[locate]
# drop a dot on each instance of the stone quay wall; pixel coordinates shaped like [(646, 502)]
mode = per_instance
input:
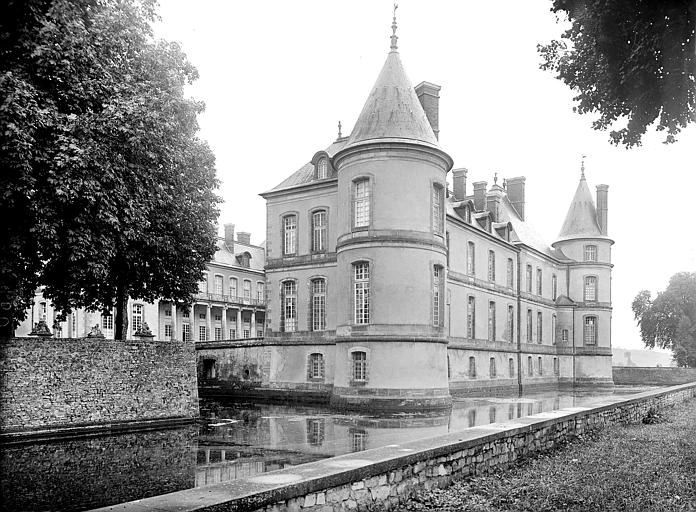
[(76, 385), (383, 478), (653, 376)]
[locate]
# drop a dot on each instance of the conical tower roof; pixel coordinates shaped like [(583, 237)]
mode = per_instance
[(581, 219), (392, 110)]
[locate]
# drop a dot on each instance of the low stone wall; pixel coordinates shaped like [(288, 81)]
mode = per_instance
[(77, 385), (653, 376), (381, 478)]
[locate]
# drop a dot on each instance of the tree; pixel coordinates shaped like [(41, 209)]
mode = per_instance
[(669, 321), (632, 60), (109, 191)]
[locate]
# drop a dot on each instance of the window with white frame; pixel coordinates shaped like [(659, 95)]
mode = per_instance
[(590, 288), (590, 253), (361, 292), (107, 322), (491, 321), (137, 317), (218, 333), (233, 287), (471, 318), (233, 334), (491, 266), (247, 333), (315, 369), (530, 331), (471, 259), (186, 332), (554, 287), (318, 287), (259, 291), (202, 333), (438, 210), (168, 330), (510, 274), (289, 234), (247, 290), (218, 285), (358, 437), (361, 203), (438, 280), (319, 226), (539, 282), (529, 279), (359, 366), (511, 323), (590, 330), (289, 300), (553, 329), (322, 169), (43, 308), (540, 328)]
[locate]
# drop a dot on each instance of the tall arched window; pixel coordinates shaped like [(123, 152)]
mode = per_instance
[(491, 266), (471, 318), (438, 282), (491, 321), (361, 292), (438, 200), (319, 226), (289, 234), (233, 287), (471, 259), (590, 330), (553, 329), (247, 290), (289, 306), (472, 367), (590, 288), (315, 368), (322, 169), (590, 253), (359, 366), (361, 203), (554, 287), (540, 327), (318, 287), (511, 323)]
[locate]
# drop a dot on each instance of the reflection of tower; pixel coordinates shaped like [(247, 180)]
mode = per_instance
[(391, 348), (587, 314)]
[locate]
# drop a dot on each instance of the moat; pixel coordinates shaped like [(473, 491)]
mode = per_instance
[(233, 440)]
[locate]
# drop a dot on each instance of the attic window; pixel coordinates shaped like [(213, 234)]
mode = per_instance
[(244, 259), (322, 169)]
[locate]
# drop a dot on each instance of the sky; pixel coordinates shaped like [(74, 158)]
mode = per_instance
[(277, 76)]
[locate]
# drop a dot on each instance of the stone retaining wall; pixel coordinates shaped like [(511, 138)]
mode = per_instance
[(653, 376), (69, 385), (381, 478)]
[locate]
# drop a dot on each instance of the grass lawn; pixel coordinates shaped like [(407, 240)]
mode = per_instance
[(642, 467)]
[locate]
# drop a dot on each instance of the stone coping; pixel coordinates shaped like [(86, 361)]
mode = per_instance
[(256, 492)]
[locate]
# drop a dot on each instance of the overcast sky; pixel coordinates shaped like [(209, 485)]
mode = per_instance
[(277, 76)]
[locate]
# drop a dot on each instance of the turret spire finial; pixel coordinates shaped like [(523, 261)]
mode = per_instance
[(582, 168), (339, 130), (394, 37)]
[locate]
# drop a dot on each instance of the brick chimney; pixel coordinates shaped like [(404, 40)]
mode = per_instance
[(459, 183), (480, 195), (244, 238), (515, 192), (493, 200), (602, 207), (429, 97), (229, 237)]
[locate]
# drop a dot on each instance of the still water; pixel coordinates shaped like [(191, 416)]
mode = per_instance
[(233, 440)]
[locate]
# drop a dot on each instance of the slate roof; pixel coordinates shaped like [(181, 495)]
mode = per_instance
[(226, 257), (305, 174), (581, 219)]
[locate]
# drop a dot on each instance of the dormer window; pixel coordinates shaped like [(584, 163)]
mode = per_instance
[(322, 169), (244, 259)]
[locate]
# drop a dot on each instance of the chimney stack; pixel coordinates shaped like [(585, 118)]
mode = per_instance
[(244, 238), (229, 237), (480, 195), (429, 97), (459, 184), (515, 192), (602, 207)]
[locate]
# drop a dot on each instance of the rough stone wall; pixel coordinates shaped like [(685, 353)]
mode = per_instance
[(58, 383), (666, 376)]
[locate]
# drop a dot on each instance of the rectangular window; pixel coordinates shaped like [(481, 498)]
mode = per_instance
[(511, 367), (540, 366), (438, 199), (590, 288), (530, 367), (201, 316), (247, 333), (361, 203), (590, 330), (472, 367), (590, 253), (471, 259), (290, 234), (289, 300), (529, 279), (233, 287), (247, 290), (202, 333), (259, 333), (186, 332), (233, 334), (540, 328), (107, 322), (319, 231), (530, 330), (168, 312), (471, 318), (316, 366), (137, 317), (539, 282), (510, 274), (203, 285), (556, 367), (493, 371), (218, 285), (491, 321), (564, 335), (218, 318), (553, 329), (168, 330), (259, 292), (491, 266), (554, 287), (511, 324), (218, 333), (318, 305), (361, 284), (437, 295), (359, 366)]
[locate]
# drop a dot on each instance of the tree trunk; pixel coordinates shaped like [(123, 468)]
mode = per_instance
[(121, 327)]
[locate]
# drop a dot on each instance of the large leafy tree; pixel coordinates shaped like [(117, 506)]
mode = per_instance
[(105, 189), (630, 61), (669, 321)]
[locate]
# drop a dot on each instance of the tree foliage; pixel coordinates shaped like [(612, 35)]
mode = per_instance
[(669, 321), (108, 191), (628, 60)]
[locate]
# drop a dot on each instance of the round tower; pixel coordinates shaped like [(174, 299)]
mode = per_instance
[(584, 239), (391, 348)]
